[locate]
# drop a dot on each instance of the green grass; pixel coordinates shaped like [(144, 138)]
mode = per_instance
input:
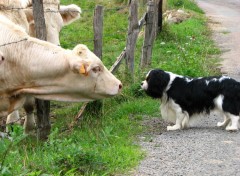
[(185, 49), (108, 145), (184, 4)]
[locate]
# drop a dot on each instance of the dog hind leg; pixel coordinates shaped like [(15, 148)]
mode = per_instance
[(234, 123), (185, 122)]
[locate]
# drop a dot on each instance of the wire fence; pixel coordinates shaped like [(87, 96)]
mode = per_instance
[(84, 40), (10, 43), (46, 10), (9, 8)]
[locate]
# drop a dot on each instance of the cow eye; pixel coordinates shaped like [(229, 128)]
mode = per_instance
[(96, 69)]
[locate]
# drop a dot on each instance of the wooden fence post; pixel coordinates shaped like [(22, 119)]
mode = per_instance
[(150, 30), (160, 16), (95, 108), (43, 107), (133, 31), (98, 30)]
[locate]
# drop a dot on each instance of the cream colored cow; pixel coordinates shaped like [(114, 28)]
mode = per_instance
[(47, 71), (11, 9), (56, 16)]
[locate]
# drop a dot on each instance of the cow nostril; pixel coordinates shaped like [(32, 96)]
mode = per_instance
[(120, 86)]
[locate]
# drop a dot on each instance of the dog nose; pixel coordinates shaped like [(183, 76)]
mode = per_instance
[(141, 83)]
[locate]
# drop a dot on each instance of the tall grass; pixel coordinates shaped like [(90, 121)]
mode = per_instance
[(108, 145)]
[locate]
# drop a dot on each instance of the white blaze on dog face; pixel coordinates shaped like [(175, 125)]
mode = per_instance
[(144, 84)]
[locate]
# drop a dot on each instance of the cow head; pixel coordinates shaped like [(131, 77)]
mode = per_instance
[(56, 16), (97, 76)]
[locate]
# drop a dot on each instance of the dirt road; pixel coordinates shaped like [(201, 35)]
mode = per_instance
[(203, 150), (225, 22)]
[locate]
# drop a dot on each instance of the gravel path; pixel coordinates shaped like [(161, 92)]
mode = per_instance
[(203, 149)]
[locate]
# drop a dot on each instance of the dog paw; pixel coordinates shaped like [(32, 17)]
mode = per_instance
[(229, 128), (220, 124), (172, 128)]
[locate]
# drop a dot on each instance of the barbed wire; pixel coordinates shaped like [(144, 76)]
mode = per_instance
[(59, 11), (46, 10), (13, 43)]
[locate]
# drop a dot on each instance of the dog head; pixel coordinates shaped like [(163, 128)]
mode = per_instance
[(155, 83)]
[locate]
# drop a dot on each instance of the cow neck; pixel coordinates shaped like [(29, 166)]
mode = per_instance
[(6, 4)]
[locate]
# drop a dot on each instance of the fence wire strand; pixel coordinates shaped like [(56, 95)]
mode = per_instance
[(59, 11), (10, 43)]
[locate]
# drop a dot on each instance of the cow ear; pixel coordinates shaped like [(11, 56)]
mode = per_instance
[(80, 50), (80, 68), (70, 13), (29, 14)]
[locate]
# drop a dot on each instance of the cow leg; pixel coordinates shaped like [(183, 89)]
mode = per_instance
[(29, 123), (12, 118)]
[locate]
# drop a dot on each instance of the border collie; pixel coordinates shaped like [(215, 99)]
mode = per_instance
[(183, 97)]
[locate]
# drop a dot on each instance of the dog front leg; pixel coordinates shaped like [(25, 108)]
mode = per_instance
[(179, 119), (225, 122)]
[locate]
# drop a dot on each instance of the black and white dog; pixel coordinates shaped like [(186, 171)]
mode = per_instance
[(183, 97)]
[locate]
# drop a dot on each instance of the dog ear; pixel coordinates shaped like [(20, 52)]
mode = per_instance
[(157, 83)]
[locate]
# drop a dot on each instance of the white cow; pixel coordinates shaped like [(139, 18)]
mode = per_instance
[(12, 10), (49, 72), (56, 16)]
